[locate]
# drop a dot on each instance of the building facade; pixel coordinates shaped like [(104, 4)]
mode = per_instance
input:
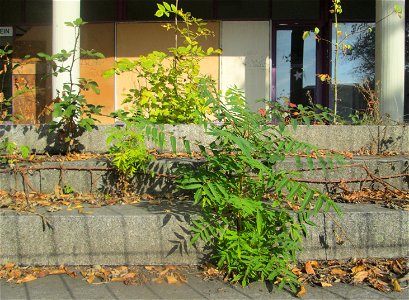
[(264, 51)]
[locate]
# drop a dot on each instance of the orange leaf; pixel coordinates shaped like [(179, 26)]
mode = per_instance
[(42, 274), (118, 279), (130, 275), (171, 279), (360, 276), (315, 264), (292, 105), (357, 269), (325, 284), (309, 269), (57, 272), (28, 278), (396, 285), (338, 271), (91, 278), (9, 265), (301, 292)]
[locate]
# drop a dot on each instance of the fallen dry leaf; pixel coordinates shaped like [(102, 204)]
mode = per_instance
[(396, 285), (357, 269), (309, 269), (9, 265), (302, 291), (325, 284), (28, 278), (379, 285), (57, 272), (90, 278), (170, 279), (360, 276), (338, 271)]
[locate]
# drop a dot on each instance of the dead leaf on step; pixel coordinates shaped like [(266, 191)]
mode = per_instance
[(396, 285), (325, 284), (379, 285), (360, 276), (357, 269), (9, 265), (301, 292), (338, 271), (309, 269), (91, 278), (57, 272), (170, 279), (28, 278)]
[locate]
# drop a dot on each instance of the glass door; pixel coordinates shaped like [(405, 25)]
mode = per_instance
[(294, 66)]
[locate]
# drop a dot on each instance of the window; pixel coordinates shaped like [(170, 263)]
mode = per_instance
[(355, 64), (295, 66)]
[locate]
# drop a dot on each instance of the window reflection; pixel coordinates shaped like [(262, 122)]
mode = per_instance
[(295, 67), (355, 65)]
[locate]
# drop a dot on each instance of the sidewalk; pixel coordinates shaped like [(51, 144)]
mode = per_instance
[(64, 287)]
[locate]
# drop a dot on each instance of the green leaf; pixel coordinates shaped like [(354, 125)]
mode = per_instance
[(25, 151), (305, 35), (173, 143), (186, 143)]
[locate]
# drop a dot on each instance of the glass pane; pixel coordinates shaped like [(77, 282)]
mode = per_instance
[(295, 67), (354, 64)]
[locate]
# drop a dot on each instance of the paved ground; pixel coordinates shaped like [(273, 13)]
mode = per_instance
[(64, 287)]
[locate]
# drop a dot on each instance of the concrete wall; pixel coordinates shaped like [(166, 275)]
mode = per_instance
[(245, 61)]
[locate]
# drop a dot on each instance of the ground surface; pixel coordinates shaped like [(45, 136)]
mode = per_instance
[(65, 287)]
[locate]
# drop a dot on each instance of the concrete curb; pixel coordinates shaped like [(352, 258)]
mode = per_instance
[(377, 139), (94, 176), (159, 234)]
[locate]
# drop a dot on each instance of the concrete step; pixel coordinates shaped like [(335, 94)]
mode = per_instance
[(148, 234), (97, 176), (376, 139)]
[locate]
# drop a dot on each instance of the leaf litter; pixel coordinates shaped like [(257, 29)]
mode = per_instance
[(132, 275)]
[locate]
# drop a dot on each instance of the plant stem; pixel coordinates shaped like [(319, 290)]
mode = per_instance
[(336, 68)]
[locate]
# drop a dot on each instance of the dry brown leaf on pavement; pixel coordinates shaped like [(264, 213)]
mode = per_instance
[(396, 285), (28, 278), (301, 292), (379, 285), (325, 284)]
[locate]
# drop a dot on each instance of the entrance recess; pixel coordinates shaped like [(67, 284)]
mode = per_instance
[(294, 66)]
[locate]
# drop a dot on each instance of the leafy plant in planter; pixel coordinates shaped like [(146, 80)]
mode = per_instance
[(128, 152), (253, 214), (71, 112), (168, 83)]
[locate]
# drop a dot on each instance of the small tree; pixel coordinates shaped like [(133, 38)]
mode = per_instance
[(71, 112)]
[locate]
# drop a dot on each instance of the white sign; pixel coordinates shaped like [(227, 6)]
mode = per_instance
[(6, 31)]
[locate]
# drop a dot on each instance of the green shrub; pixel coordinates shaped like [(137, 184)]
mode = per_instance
[(253, 215), (167, 90), (72, 113)]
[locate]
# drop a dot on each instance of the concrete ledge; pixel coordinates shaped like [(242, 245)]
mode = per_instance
[(95, 176), (376, 139), (147, 234)]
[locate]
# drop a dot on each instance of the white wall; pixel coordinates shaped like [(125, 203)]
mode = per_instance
[(245, 61)]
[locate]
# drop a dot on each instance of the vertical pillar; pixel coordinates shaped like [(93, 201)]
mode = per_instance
[(64, 38), (390, 58)]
